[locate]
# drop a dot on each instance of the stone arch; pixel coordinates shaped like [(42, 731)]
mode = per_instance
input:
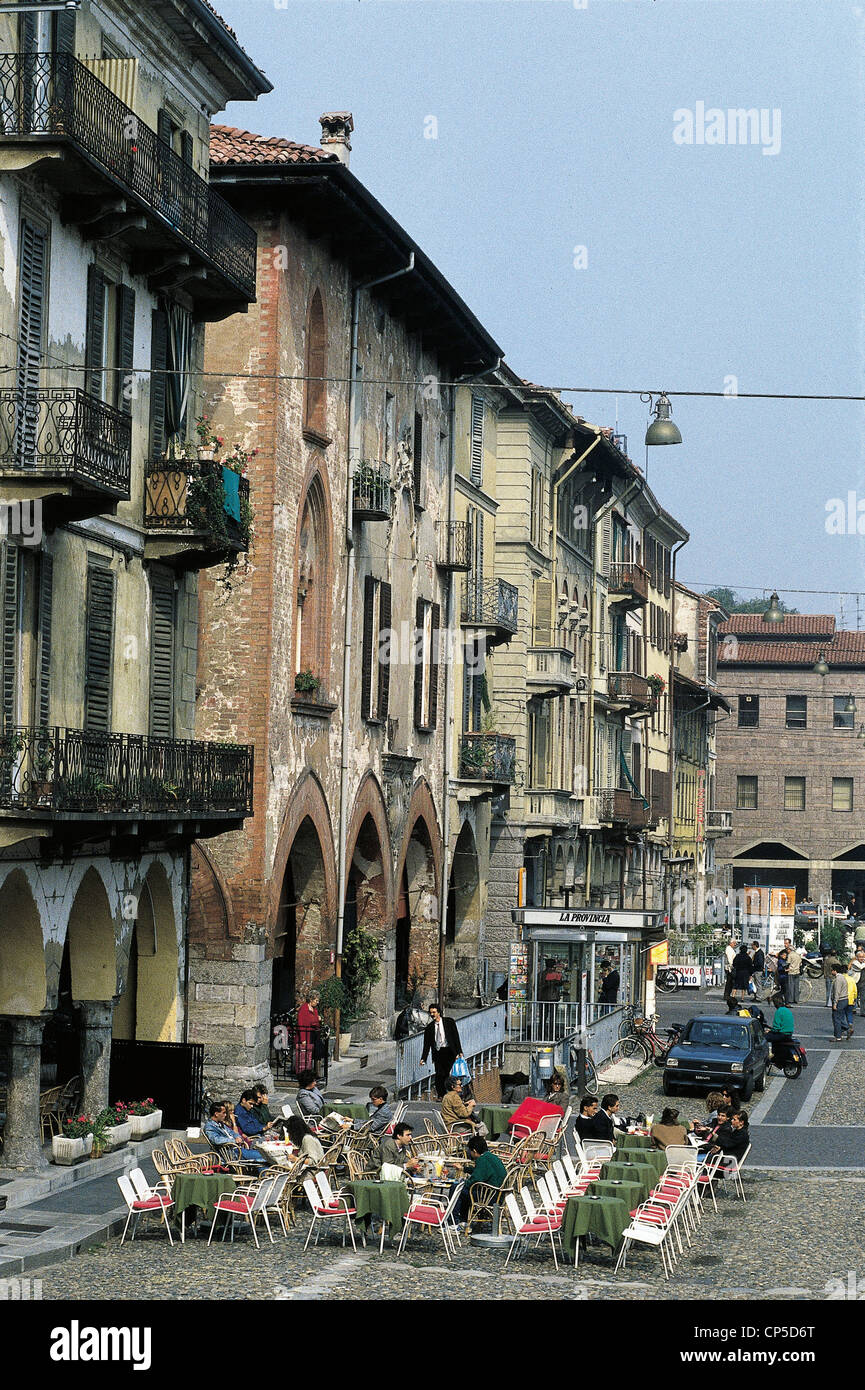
[(464, 918), (315, 363), (307, 802), (418, 905), (147, 1008), (23, 983), (303, 933), (369, 892), (211, 915), (90, 936)]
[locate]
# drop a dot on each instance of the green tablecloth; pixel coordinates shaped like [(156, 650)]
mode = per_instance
[(630, 1192), (347, 1108), (196, 1190), (635, 1141), (387, 1200), (647, 1165), (496, 1117), (604, 1217)]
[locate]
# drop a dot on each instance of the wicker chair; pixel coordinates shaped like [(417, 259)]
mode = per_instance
[(183, 1160), (48, 1102), (69, 1099), (485, 1199), (361, 1166)]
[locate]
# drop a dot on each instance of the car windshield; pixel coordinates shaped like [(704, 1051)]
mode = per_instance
[(717, 1034)]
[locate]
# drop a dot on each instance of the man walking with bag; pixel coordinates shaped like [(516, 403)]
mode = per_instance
[(441, 1036)]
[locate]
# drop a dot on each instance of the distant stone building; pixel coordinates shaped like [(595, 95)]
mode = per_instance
[(790, 757)]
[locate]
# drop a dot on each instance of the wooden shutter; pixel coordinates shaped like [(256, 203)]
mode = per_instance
[(98, 650), (468, 684), (165, 127), (420, 659), (477, 450), (162, 655), (543, 633), (187, 148), (158, 364), (666, 572), (31, 314), (125, 346), (27, 32), (434, 666), (606, 543), (10, 632), (369, 586), (43, 685), (64, 31), (95, 341), (384, 654), (542, 776)]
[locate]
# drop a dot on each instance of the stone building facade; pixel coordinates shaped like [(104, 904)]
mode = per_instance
[(114, 253), (789, 756)]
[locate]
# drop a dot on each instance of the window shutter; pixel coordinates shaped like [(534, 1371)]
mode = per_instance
[(46, 586), (417, 458), (162, 655), (542, 778), (420, 656), (98, 649), (94, 347), (33, 267), (367, 653), (158, 363), (543, 633), (477, 452), (164, 126), (64, 31), (10, 632), (434, 666), (468, 684), (384, 653), (187, 148), (667, 569), (606, 543), (125, 345)]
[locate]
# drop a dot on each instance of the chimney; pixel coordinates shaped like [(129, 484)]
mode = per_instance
[(336, 128)]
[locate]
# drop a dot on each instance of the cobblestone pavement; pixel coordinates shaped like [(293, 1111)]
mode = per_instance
[(741, 1252)]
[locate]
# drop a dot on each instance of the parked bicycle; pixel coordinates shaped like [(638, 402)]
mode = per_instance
[(591, 1070), (645, 1043), (668, 979)]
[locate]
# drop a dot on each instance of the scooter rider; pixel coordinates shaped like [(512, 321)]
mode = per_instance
[(780, 1035)]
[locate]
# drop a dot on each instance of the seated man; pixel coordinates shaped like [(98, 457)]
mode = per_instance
[(393, 1157), (488, 1169), (455, 1110), (732, 1138), (247, 1122), (608, 1121), (311, 1102), (379, 1111), (261, 1108), (222, 1134), (585, 1124)]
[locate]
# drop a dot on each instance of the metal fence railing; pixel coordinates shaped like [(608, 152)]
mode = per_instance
[(482, 1035)]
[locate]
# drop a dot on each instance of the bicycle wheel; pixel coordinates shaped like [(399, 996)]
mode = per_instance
[(591, 1077), (626, 1027), (806, 989), (627, 1048), (669, 981)]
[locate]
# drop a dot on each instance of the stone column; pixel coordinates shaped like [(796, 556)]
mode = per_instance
[(96, 1019), (22, 1147)]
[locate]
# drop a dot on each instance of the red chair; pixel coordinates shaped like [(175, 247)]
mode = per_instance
[(529, 1114), (427, 1211)]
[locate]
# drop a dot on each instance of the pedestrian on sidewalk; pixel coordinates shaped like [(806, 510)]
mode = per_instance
[(783, 974), (856, 969), (441, 1037), (841, 1009), (729, 957), (830, 958), (794, 971)]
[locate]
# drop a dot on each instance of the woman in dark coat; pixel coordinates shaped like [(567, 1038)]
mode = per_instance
[(741, 972)]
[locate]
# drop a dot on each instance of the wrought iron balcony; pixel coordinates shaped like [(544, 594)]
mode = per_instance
[(719, 822), (631, 691), (51, 772), (628, 584), (60, 440), (196, 512), (552, 809), (488, 758), (492, 604), (550, 671), (454, 545), (371, 492), (51, 98)]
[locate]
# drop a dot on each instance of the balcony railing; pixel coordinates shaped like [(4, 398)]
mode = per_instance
[(719, 822), (627, 688), (490, 603), (552, 808), (629, 580), (618, 806), (52, 96), (550, 669), (198, 498), (371, 492), (65, 772), (488, 758), (454, 540), (62, 433)]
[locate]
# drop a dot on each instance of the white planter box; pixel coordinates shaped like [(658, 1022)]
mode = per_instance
[(118, 1136), (142, 1125), (68, 1151)]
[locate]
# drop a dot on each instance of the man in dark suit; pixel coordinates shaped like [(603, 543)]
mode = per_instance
[(442, 1038)]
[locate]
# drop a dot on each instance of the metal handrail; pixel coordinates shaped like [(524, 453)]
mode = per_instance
[(63, 431)]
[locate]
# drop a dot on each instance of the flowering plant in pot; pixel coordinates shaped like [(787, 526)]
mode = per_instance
[(75, 1141), (115, 1125), (144, 1117), (657, 684), (208, 442)]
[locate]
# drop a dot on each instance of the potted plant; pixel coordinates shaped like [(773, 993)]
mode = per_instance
[(74, 1143), (306, 683), (144, 1118), (333, 998), (656, 684), (42, 781), (208, 441), (361, 970), (116, 1126)]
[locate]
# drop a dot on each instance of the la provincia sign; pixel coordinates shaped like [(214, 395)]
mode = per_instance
[(613, 918)]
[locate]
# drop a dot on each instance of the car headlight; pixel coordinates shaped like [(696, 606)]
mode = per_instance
[(737, 1066), (672, 1061)]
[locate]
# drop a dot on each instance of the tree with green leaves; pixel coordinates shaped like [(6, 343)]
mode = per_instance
[(731, 601)]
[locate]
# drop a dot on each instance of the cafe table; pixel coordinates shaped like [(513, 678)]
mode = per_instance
[(350, 1109), (495, 1117), (389, 1201), (635, 1141), (630, 1192), (646, 1165), (605, 1217), (198, 1190)]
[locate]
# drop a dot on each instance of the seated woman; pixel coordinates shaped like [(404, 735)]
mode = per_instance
[(557, 1089), (668, 1131), (455, 1110), (303, 1139)]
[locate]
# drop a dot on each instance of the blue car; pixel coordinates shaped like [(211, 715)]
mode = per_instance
[(714, 1052)]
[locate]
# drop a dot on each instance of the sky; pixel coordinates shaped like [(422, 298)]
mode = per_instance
[(569, 198)]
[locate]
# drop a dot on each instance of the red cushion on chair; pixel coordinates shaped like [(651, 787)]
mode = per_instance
[(427, 1216), (152, 1203), (335, 1210), (241, 1204), (531, 1111)]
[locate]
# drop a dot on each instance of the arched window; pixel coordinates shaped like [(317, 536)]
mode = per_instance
[(315, 371), (311, 645)]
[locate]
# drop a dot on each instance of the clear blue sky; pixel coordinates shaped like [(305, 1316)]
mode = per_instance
[(704, 261)]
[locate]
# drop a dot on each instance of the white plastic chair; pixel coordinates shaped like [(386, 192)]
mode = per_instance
[(531, 1223), (680, 1156), (730, 1169), (646, 1232), (437, 1215), (327, 1205), (245, 1201), (274, 1197), (154, 1204), (598, 1148)]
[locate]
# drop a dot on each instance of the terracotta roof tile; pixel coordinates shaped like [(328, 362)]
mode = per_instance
[(229, 145), (844, 649), (794, 625)]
